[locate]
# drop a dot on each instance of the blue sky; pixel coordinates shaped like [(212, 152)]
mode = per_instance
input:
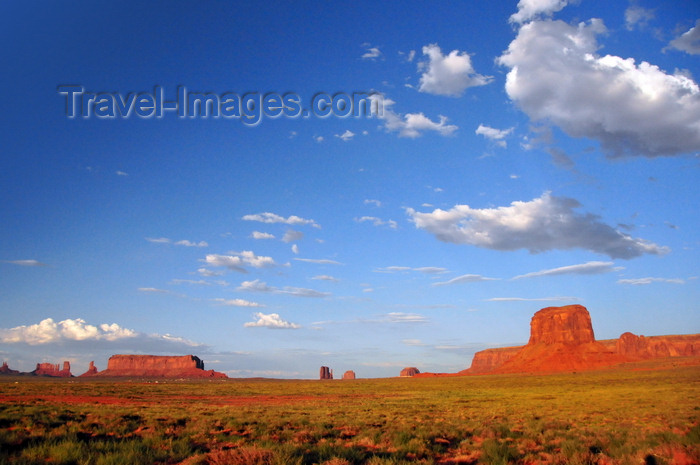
[(527, 155)]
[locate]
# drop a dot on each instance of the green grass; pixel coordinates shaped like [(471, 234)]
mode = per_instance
[(607, 417)]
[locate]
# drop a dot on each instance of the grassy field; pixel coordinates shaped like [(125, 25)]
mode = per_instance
[(607, 417)]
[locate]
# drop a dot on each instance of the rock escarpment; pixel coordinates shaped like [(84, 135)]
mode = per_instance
[(165, 366), (49, 369), (349, 375), (562, 339)]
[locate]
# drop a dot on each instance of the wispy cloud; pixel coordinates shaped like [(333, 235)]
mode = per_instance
[(325, 277), (318, 261), (465, 278), (24, 262), (237, 302), (644, 281), (262, 235), (496, 135), (271, 218), (372, 53), (183, 242), (377, 221), (583, 268), (260, 286), (410, 125), (238, 261), (421, 269), (346, 136)]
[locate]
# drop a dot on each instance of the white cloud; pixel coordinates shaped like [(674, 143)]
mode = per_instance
[(259, 286), (376, 203), (295, 249), (689, 41), (465, 278), (372, 53), (631, 109), (377, 221), (269, 218), (122, 173), (262, 235), (496, 135), (239, 260), (272, 321), (530, 9), (158, 240), (153, 290), (421, 269), (644, 281), (237, 303), (346, 136), (413, 342), (318, 261), (24, 262), (448, 75), (410, 125), (187, 243), (637, 16), (48, 331), (318, 139), (583, 268), (292, 235), (544, 223), (325, 277), (209, 273), (184, 242), (400, 317)]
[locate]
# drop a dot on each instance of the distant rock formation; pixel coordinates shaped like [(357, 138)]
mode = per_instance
[(49, 369), (409, 371), (165, 366), (562, 339), (6, 370), (92, 370), (325, 373), (349, 375)]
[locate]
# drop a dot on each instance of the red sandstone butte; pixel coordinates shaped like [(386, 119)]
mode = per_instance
[(325, 373), (49, 369), (161, 366), (349, 375), (92, 370), (6, 370), (562, 339), (409, 371)]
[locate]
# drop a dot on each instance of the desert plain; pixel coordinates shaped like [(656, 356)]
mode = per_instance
[(638, 413)]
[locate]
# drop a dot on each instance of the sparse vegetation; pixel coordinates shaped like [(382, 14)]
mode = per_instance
[(607, 417)]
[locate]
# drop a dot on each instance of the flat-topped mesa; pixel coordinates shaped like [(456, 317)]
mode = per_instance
[(349, 375), (570, 324), (181, 366), (49, 369)]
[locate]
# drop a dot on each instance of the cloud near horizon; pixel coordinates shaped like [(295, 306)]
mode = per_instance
[(542, 224), (105, 336)]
